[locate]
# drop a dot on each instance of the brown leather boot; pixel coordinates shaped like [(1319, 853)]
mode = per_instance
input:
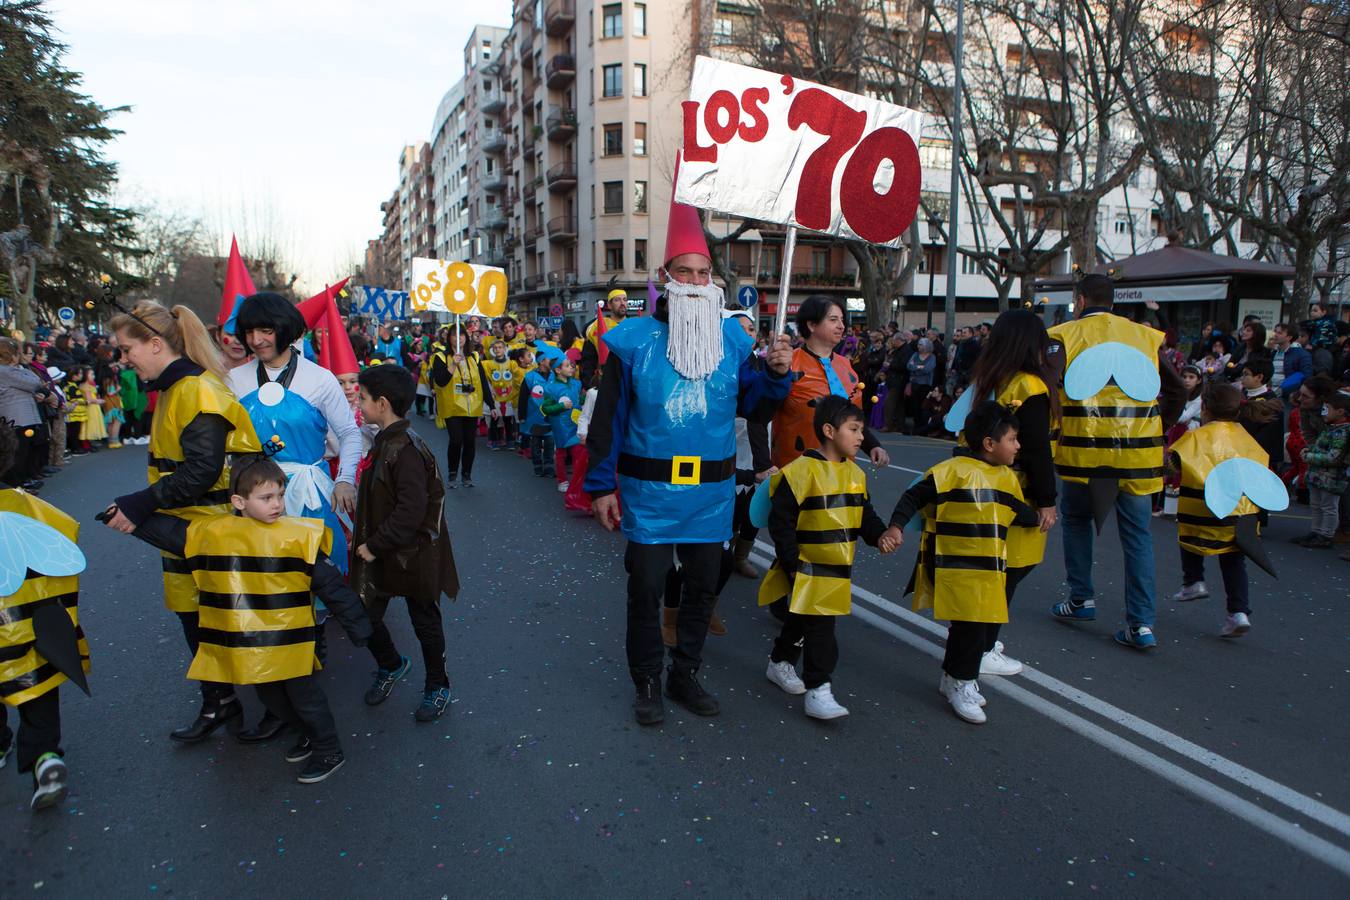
[(669, 616), (741, 552), (716, 627)]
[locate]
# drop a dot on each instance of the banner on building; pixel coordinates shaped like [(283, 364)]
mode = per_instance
[(382, 304), (441, 285), (779, 149)]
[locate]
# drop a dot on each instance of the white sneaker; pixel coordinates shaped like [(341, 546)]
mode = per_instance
[(995, 663), (946, 684), (965, 700), (820, 704), (49, 782), (1188, 592), (562, 487), (1236, 626), (785, 676)]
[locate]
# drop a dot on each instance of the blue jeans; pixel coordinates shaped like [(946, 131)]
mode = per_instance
[(1133, 518)]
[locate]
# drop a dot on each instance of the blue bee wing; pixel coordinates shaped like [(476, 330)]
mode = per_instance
[(29, 544), (1232, 478), (1135, 374), (759, 505), (956, 416)]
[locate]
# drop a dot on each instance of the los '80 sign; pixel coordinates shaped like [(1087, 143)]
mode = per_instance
[(778, 149), (462, 288)]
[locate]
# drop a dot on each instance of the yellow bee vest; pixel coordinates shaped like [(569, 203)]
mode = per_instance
[(463, 396), (186, 399), (25, 673), (1110, 435), (963, 554), (256, 621), (1200, 451), (1026, 546), (830, 498)]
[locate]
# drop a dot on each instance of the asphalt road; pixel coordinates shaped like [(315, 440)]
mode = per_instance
[(1205, 769)]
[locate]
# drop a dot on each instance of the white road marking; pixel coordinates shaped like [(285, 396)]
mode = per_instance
[(1290, 832)]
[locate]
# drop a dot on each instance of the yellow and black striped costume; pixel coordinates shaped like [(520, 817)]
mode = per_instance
[(964, 551), (1026, 546), (1110, 435), (256, 617), (1199, 451), (24, 673), (830, 498), (186, 399)]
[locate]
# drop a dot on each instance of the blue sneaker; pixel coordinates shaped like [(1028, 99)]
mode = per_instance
[(384, 682), (1140, 638), (1068, 610), (433, 704)]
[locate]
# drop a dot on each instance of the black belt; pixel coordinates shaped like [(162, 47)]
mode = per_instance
[(679, 470)]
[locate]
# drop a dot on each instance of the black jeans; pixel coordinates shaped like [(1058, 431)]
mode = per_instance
[(463, 432), (502, 429), (541, 452), (648, 566), (1013, 579), (1233, 568), (302, 703), (968, 641), (211, 690), (39, 728), (426, 623), (815, 635)]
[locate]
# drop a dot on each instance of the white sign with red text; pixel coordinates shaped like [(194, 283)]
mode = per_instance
[(779, 149)]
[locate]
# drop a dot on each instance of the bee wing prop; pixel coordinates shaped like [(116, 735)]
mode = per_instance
[(29, 544), (1232, 478), (1133, 372)]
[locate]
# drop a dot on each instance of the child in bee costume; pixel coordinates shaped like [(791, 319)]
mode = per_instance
[(1225, 483), (41, 642), (257, 572)]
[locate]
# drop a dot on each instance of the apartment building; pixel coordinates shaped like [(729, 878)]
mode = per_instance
[(450, 176), (484, 102), (416, 208)]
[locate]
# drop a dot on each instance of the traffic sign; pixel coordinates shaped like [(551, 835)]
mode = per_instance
[(66, 314), (555, 310), (748, 296)]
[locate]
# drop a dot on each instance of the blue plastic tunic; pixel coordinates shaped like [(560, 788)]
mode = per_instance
[(564, 424), (670, 416), (534, 416)]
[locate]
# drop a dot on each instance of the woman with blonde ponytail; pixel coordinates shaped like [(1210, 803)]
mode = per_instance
[(197, 424)]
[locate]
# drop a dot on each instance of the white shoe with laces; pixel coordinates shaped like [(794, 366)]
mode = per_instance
[(785, 676), (995, 663), (964, 696), (562, 487), (820, 703), (1189, 592), (1236, 626), (946, 684)]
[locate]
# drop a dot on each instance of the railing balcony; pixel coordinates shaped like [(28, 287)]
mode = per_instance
[(494, 220), (529, 147), (559, 18), (534, 282), (561, 123), (560, 70), (562, 277), (493, 101), (495, 256), (562, 229), (532, 235), (562, 177), (493, 140)]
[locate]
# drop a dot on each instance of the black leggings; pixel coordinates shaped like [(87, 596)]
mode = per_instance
[(463, 431)]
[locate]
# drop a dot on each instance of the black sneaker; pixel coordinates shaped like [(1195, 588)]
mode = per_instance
[(648, 708), (384, 682), (433, 704), (320, 767), (1318, 542), (466, 482), (684, 689), (300, 752)]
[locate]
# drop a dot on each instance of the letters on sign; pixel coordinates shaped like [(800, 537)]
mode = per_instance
[(457, 287), (783, 150), (382, 303)]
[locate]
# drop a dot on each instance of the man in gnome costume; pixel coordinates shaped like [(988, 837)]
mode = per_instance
[(299, 401), (663, 434)]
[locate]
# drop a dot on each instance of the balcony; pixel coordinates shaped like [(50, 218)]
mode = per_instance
[(495, 256), (495, 181), (561, 70), (532, 235), (493, 140), (493, 101), (559, 18), (529, 147), (512, 242), (561, 123), (562, 229), (562, 177), (494, 219), (562, 278), (533, 185), (534, 282)]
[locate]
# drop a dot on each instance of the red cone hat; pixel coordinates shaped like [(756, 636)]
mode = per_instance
[(237, 283), (335, 354), (684, 231), (315, 308)]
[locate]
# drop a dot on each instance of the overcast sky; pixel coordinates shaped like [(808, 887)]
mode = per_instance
[(286, 115)]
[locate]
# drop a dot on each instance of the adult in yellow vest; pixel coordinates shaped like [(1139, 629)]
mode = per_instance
[(617, 309), (461, 388), (1118, 397), (197, 425)]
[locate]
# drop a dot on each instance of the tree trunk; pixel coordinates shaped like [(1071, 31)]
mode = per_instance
[(1080, 220), (1305, 261)]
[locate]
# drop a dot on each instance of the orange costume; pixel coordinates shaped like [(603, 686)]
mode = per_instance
[(793, 433)]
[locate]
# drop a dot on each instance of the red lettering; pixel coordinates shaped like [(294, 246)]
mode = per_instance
[(881, 218), (721, 102), (828, 115), (692, 151), (788, 86), (759, 127)]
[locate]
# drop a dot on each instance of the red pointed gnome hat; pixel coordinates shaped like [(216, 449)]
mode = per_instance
[(315, 309), (335, 353), (684, 230), (237, 283)]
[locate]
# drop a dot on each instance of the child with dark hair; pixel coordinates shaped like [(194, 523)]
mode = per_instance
[(819, 507), (968, 504), (402, 545), (1262, 412), (1327, 458)]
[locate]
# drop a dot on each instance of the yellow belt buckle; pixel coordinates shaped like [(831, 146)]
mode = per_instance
[(677, 462)]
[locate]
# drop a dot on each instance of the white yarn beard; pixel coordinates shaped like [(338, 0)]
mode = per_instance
[(695, 345)]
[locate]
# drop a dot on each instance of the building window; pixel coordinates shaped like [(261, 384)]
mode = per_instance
[(613, 20), (820, 261), (639, 80), (613, 256), (613, 80), (613, 140), (613, 196), (639, 196), (640, 19), (969, 265), (640, 254), (1124, 224), (639, 138), (721, 31)]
